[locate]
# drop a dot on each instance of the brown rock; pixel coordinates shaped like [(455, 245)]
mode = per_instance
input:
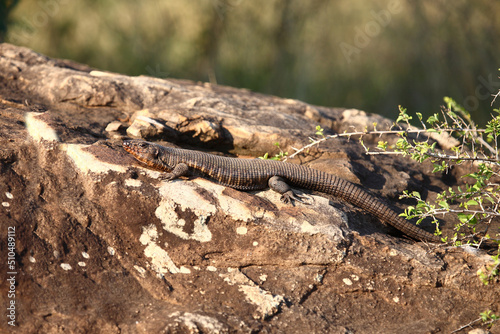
[(103, 245)]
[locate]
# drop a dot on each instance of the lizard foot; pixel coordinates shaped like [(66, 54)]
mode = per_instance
[(167, 177), (291, 197), (180, 169)]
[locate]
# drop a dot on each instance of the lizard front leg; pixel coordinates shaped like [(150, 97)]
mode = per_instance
[(179, 170), (279, 185)]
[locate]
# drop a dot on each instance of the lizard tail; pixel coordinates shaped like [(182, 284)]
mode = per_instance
[(355, 195)]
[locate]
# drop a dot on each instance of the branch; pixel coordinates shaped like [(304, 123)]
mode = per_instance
[(374, 132), (443, 156), (396, 132)]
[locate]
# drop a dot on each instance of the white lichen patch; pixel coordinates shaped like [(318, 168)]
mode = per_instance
[(267, 303), (39, 129), (347, 281), (192, 201), (133, 183), (149, 233), (191, 198), (87, 162), (66, 266), (111, 251), (197, 323), (237, 209), (140, 270), (306, 227), (161, 262), (175, 225), (242, 230), (184, 270)]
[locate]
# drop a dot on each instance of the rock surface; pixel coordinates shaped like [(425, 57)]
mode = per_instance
[(103, 245)]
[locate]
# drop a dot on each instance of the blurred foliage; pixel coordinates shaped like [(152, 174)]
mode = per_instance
[(6, 6), (348, 53)]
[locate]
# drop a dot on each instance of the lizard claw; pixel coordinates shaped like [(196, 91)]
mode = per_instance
[(167, 177), (291, 197), (287, 198)]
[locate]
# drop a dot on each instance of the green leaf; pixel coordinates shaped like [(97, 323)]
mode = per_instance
[(463, 217), (472, 202), (403, 116), (444, 204), (265, 156), (433, 119), (416, 194), (382, 145), (467, 218), (319, 131)]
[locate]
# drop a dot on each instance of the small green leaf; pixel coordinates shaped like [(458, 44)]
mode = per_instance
[(433, 119), (265, 156), (444, 204), (472, 202), (382, 145)]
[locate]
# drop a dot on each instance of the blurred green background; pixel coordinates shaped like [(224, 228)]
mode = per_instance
[(371, 55)]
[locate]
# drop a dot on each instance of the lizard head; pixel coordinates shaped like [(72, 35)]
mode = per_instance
[(145, 152)]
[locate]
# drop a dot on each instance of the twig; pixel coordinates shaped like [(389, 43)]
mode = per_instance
[(495, 97), (465, 326), (375, 132), (443, 156)]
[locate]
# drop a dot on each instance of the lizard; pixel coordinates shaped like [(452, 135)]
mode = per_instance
[(258, 174)]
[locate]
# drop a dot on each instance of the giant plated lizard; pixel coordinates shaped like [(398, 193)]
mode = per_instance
[(255, 174)]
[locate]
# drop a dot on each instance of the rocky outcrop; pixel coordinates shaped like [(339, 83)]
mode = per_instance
[(103, 245)]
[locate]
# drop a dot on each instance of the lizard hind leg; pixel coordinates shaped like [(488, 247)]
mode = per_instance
[(279, 185)]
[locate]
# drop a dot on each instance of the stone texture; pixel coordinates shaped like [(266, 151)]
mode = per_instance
[(103, 245)]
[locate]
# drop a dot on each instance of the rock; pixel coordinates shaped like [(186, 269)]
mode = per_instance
[(478, 331), (113, 126), (102, 244)]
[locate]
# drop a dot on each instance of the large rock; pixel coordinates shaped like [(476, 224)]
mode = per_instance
[(103, 245)]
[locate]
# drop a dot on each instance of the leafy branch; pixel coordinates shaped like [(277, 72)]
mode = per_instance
[(422, 149), (449, 138), (487, 318), (279, 156)]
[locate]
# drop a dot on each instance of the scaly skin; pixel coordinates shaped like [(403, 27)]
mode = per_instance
[(253, 174)]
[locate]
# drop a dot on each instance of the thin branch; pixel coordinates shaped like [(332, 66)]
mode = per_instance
[(442, 156), (495, 97), (465, 326), (375, 132)]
